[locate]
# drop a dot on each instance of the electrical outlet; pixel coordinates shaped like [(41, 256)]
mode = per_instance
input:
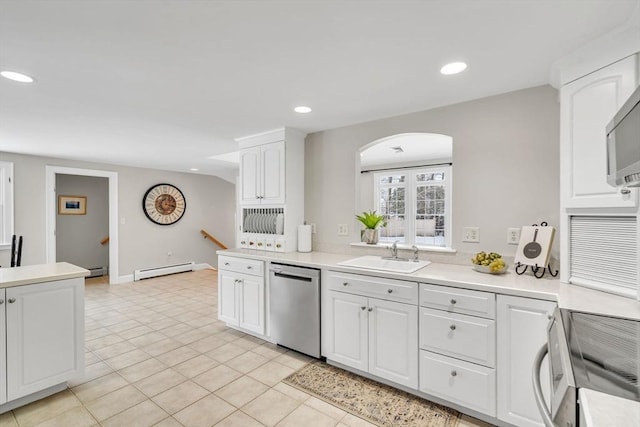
[(513, 236), (471, 234), (343, 230), (313, 228)]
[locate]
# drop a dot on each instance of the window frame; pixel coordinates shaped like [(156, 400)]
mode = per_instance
[(411, 184), (6, 205)]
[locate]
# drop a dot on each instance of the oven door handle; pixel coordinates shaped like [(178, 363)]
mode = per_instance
[(537, 388)]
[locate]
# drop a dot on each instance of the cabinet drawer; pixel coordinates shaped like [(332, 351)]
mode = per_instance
[(387, 289), (476, 303), (467, 384), (241, 265), (464, 337)]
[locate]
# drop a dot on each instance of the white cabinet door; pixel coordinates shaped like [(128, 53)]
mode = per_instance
[(250, 174), (347, 342), (3, 348), (227, 298), (45, 335), (251, 301), (587, 105), (393, 341), (522, 330), (273, 173)]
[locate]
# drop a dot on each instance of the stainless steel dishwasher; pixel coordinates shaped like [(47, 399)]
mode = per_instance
[(294, 307)]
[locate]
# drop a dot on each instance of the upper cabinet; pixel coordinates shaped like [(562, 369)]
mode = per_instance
[(587, 105), (262, 174)]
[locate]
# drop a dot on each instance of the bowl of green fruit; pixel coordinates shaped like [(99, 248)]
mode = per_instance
[(491, 263)]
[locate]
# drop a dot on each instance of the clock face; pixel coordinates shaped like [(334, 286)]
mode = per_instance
[(164, 204)]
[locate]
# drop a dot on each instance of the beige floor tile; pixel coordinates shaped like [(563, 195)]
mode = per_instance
[(168, 422), (76, 417), (142, 370), (127, 359), (226, 352), (191, 336), (115, 350), (178, 329), (118, 328), (115, 402), (326, 408), (196, 366), (44, 409), (90, 358), (103, 342), (293, 360), (208, 343), (248, 342), (157, 383), (467, 421), (353, 421), (247, 362), (99, 387), (180, 396), (96, 333), (268, 350), (8, 420), (270, 407), (292, 392), (144, 414), (147, 339), (239, 419), (306, 416), (241, 391), (162, 346), (177, 356), (217, 377), (135, 332), (271, 373), (205, 412)]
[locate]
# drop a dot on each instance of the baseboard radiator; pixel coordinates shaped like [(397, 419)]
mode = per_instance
[(146, 273)]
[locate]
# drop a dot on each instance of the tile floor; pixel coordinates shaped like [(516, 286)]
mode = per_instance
[(156, 355)]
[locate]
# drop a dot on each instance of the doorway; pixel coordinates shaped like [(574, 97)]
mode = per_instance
[(52, 211)]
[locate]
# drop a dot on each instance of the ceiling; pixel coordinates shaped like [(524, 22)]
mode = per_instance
[(169, 84), (415, 148)]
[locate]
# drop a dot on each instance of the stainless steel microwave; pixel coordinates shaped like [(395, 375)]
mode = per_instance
[(623, 144)]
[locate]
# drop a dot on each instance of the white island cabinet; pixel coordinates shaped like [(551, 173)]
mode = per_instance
[(41, 331)]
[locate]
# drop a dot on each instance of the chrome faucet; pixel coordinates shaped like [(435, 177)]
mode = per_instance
[(394, 250), (415, 253)]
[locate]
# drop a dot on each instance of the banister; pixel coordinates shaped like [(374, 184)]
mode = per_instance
[(213, 239), (104, 241)]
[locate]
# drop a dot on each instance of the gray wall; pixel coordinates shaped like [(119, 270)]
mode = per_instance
[(78, 236), (210, 206), (505, 169)]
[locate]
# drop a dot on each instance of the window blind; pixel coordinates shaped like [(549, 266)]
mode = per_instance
[(604, 252)]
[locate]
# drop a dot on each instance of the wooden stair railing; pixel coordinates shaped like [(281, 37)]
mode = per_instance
[(213, 239), (104, 241)]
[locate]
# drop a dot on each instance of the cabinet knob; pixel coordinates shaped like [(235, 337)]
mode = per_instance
[(625, 191), (454, 373), (389, 291), (452, 327), (453, 301), (249, 267), (345, 283), (363, 308), (370, 309), (226, 263), (12, 300)]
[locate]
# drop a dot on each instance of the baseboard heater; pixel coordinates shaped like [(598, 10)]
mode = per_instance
[(97, 271), (146, 273)]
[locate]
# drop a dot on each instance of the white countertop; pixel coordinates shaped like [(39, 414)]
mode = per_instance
[(604, 410), (29, 274), (568, 296)]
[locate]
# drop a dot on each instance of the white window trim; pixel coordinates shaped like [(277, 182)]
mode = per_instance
[(6, 204), (410, 203)]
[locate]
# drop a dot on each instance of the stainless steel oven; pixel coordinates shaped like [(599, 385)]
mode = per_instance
[(587, 350)]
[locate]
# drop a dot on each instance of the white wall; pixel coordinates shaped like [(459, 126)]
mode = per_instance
[(505, 168), (210, 206)]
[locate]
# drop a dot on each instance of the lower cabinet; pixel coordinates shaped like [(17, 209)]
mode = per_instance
[(241, 300), (42, 331), (522, 330)]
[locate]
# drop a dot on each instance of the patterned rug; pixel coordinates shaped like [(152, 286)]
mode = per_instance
[(368, 399)]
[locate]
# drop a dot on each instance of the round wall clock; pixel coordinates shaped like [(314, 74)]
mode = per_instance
[(164, 204)]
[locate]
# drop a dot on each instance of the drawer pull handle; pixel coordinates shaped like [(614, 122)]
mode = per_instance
[(249, 267), (363, 308), (389, 291), (453, 301), (454, 373), (345, 283), (11, 300), (370, 309), (452, 327), (226, 263)]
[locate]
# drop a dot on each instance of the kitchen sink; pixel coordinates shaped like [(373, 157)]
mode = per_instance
[(372, 262)]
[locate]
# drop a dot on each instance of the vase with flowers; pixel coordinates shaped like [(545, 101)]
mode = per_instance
[(372, 222)]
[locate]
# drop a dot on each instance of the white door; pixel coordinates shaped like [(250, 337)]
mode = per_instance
[(587, 105), (522, 330), (251, 301), (273, 173), (45, 335), (393, 341), (227, 297), (3, 348), (347, 340), (250, 173)]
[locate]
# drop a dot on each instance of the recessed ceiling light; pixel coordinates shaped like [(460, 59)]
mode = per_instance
[(453, 68), (194, 169), (16, 77), (302, 109)]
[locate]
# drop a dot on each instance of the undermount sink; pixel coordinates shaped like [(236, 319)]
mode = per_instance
[(372, 262)]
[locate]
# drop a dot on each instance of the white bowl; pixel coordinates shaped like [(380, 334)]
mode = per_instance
[(486, 269)]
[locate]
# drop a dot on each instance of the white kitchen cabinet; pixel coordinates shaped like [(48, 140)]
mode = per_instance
[(241, 300), (587, 105), (369, 333), (3, 348), (522, 330), (262, 174)]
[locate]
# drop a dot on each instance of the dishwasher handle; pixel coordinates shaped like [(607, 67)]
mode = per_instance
[(537, 388), (291, 276)]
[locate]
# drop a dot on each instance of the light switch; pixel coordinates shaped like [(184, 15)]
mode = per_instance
[(471, 234)]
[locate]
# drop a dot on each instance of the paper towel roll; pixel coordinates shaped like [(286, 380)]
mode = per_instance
[(304, 238)]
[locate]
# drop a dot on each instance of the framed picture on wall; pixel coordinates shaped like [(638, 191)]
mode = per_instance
[(72, 205)]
